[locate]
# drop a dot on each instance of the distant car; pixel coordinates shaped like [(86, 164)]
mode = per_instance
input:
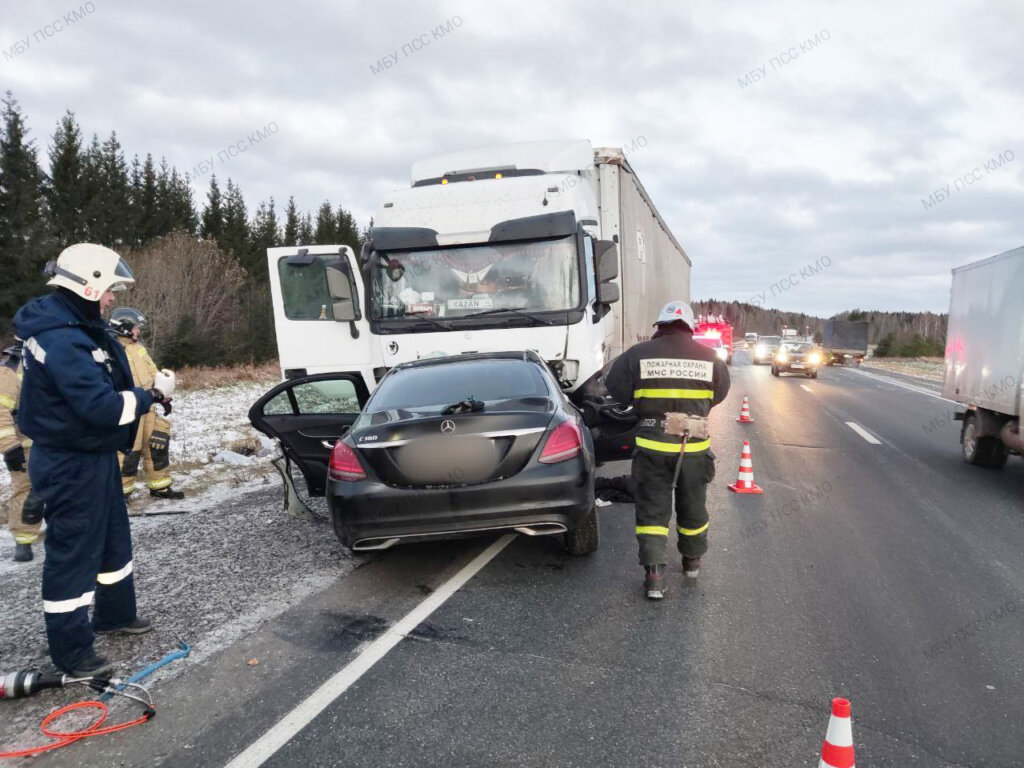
[(715, 343), (443, 448), (796, 357), (749, 340), (765, 348)]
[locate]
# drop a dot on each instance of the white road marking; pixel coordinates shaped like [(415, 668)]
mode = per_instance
[(804, 386), (269, 743), (898, 383), (863, 433)]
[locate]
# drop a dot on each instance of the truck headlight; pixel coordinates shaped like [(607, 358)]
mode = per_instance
[(567, 371)]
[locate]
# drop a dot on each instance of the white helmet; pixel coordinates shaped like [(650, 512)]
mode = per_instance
[(89, 270), (675, 311)]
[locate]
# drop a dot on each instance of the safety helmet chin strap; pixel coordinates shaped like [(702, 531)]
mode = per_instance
[(52, 269)]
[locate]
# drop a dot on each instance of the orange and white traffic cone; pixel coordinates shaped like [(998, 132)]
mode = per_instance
[(745, 480), (744, 417), (837, 749)]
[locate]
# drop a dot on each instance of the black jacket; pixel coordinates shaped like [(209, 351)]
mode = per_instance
[(669, 373)]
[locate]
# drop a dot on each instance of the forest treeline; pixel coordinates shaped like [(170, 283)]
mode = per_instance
[(201, 271), (897, 334)]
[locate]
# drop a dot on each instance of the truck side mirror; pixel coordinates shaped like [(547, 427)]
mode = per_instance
[(606, 254), (607, 293), (343, 295)]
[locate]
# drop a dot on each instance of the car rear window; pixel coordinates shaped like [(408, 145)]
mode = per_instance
[(441, 385)]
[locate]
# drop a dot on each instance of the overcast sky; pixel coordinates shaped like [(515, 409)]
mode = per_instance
[(827, 155)]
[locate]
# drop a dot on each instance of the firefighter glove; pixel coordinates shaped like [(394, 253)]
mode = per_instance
[(164, 381), (15, 459)]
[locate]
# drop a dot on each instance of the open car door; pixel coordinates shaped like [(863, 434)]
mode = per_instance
[(307, 415)]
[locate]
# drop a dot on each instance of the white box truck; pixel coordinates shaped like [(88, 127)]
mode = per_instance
[(551, 246), (984, 359)]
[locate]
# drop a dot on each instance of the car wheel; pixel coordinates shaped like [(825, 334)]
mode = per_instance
[(585, 537), (813, 374), (981, 451), (775, 371)]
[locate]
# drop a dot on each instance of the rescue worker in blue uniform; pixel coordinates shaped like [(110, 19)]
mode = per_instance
[(79, 408), (670, 375)]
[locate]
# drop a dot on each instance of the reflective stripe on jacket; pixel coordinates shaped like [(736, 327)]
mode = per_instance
[(668, 374)]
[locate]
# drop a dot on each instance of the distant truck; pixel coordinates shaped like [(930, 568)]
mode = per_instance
[(845, 341), (984, 360)]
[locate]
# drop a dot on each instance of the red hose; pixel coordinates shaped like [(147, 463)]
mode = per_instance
[(70, 737)]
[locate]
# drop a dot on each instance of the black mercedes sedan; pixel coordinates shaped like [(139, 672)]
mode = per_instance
[(443, 448)]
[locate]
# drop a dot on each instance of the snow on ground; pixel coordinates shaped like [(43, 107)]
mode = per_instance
[(209, 576)]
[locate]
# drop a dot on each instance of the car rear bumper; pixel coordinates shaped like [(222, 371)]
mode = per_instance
[(790, 368), (544, 498)]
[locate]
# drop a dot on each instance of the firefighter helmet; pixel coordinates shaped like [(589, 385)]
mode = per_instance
[(124, 319), (89, 270)]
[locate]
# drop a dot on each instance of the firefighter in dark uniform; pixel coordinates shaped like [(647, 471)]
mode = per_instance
[(670, 375), (79, 408)]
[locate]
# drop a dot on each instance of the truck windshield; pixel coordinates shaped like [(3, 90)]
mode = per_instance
[(537, 276)]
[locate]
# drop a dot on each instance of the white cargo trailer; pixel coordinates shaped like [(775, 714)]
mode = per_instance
[(984, 360), (550, 246)]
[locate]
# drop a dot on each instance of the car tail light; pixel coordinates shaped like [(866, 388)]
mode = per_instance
[(345, 464), (563, 443)]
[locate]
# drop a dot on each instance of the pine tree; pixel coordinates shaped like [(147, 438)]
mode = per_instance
[(213, 216), (263, 234), (147, 225), (110, 211), (304, 233), (163, 201), (65, 192), (234, 237), (181, 210), (291, 224), (92, 183), (25, 242), (326, 228), (347, 231)]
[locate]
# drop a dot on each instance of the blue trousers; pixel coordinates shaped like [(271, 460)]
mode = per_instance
[(88, 549)]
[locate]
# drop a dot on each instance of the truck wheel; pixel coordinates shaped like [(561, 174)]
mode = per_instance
[(585, 537), (981, 451)]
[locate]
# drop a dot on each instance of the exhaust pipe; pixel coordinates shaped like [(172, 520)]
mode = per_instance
[(541, 529), (1011, 437), (366, 545)]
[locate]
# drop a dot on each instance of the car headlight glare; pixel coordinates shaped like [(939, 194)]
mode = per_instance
[(782, 357), (759, 350), (814, 359)]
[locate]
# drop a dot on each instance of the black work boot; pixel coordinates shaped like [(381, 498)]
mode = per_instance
[(137, 626), (94, 666), (654, 581), (691, 566), (22, 552), (166, 493)]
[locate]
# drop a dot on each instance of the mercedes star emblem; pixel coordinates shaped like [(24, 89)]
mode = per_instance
[(447, 426)]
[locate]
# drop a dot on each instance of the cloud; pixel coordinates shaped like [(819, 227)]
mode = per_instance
[(829, 154)]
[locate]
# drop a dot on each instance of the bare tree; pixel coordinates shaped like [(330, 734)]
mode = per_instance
[(189, 291)]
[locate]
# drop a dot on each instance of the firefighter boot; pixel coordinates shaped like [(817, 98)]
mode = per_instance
[(22, 552), (691, 566), (166, 493), (137, 626), (654, 581)]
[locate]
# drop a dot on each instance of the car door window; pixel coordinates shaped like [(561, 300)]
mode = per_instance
[(336, 396)]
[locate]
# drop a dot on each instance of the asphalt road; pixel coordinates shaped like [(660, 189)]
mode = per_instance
[(876, 566)]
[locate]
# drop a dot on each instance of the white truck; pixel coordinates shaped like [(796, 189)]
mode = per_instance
[(984, 359), (551, 246)]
